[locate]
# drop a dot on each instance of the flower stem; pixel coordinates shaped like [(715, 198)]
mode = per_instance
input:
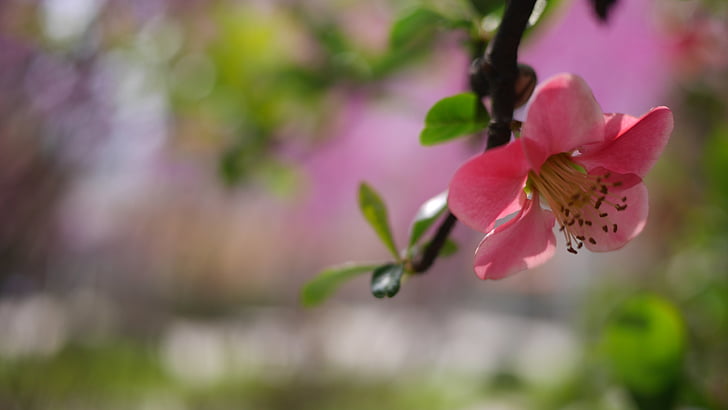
[(502, 56)]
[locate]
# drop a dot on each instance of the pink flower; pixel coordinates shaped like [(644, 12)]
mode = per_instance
[(587, 167)]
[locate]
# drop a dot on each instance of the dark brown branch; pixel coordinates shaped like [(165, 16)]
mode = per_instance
[(435, 246), (502, 57)]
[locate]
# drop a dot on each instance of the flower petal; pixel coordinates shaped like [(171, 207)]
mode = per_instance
[(632, 147), (562, 117), (610, 227), (524, 242), (488, 186)]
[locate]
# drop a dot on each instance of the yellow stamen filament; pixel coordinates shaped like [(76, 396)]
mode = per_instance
[(573, 195)]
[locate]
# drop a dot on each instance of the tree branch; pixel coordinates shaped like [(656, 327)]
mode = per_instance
[(502, 56), (501, 74)]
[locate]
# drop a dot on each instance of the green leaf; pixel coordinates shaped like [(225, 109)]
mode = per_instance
[(448, 249), (426, 216), (375, 212), (415, 28), (644, 342), (715, 160), (453, 117), (325, 283), (386, 280), (485, 7), (541, 11)]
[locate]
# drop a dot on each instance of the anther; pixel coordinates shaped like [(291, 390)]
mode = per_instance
[(572, 250), (604, 190), (614, 228), (592, 241), (566, 212), (581, 237), (624, 199), (604, 214), (618, 183), (579, 245), (581, 222), (620, 207), (589, 223), (605, 228)]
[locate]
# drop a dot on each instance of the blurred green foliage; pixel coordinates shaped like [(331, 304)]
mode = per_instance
[(644, 343)]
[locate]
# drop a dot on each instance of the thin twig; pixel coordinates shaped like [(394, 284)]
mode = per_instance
[(502, 56)]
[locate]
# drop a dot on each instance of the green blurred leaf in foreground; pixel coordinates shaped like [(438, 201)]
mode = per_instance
[(325, 283), (453, 117), (644, 342), (375, 212)]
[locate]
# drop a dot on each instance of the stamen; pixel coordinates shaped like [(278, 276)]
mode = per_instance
[(575, 197)]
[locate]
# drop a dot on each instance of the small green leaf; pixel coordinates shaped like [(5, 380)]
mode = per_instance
[(541, 11), (386, 280), (426, 216), (453, 117), (375, 212), (448, 249), (415, 28), (325, 283), (485, 7)]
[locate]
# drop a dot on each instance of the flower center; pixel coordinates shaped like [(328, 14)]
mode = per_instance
[(579, 201)]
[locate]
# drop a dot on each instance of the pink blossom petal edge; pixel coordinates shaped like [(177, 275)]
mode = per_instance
[(562, 117), (629, 222), (632, 146), (488, 186), (524, 242)]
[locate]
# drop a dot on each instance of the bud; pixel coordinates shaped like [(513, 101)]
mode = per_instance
[(480, 68), (525, 84)]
